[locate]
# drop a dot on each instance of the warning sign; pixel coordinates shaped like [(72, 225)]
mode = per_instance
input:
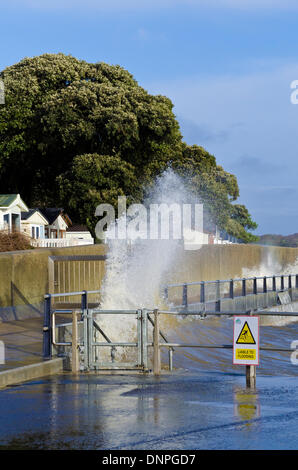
[(246, 340), (245, 336), (246, 354)]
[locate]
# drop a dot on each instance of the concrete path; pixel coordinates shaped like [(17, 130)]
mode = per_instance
[(176, 411), (23, 342)]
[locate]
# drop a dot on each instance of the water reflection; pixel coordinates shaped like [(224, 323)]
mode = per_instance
[(246, 405)]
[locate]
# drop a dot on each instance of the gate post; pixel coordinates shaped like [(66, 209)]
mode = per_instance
[(90, 337), (184, 296), (75, 360), (139, 336), (86, 342), (251, 371), (231, 289), (156, 350), (84, 300), (144, 338), (47, 330)]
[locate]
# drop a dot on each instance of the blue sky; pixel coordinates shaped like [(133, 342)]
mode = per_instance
[(227, 65)]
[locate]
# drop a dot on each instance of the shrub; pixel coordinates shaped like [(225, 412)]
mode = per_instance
[(13, 241)]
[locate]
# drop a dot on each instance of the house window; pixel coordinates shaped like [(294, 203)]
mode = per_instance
[(6, 219), (35, 232)]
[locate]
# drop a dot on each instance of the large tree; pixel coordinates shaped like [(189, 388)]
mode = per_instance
[(77, 134), (58, 107)]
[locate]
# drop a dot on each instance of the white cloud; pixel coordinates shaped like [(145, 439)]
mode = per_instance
[(260, 124), (260, 101)]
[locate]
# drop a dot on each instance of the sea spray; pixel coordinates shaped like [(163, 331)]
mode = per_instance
[(137, 269)]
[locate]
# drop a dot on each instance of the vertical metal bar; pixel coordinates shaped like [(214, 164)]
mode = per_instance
[(255, 286), (184, 296), (217, 302), (264, 284), (84, 275), (74, 275), (69, 285), (139, 336), (51, 268), (64, 280), (217, 290), (274, 283), (86, 346), (243, 287), (58, 277), (202, 293), (231, 289), (84, 301), (290, 282), (282, 282), (47, 329), (75, 360), (170, 359), (144, 339), (89, 278), (90, 339), (296, 281), (156, 350), (79, 276)]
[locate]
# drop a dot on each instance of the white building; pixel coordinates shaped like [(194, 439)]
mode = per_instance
[(58, 222), (80, 233), (11, 207), (33, 224)]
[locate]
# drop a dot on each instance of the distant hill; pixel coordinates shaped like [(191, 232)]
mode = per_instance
[(279, 240)]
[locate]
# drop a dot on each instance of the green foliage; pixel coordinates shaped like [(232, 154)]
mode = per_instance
[(86, 133), (216, 188), (241, 215), (233, 227), (95, 179)]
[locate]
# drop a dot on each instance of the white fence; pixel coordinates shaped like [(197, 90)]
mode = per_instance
[(60, 242)]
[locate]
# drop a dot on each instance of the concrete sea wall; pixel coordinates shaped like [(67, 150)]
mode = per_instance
[(24, 278), (214, 262), (24, 275)]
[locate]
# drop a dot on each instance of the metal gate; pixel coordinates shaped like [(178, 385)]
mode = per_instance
[(95, 339), (83, 339), (75, 273)]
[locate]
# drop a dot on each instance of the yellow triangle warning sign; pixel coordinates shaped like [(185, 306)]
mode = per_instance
[(245, 336)]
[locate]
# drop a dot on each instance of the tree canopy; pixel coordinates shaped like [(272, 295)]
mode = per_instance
[(76, 134)]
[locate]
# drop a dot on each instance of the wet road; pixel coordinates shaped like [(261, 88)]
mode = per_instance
[(179, 411)]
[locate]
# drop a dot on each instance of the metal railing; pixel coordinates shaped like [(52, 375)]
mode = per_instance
[(49, 311), (232, 288), (49, 330), (144, 318)]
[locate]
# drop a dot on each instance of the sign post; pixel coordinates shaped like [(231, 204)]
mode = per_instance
[(246, 346)]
